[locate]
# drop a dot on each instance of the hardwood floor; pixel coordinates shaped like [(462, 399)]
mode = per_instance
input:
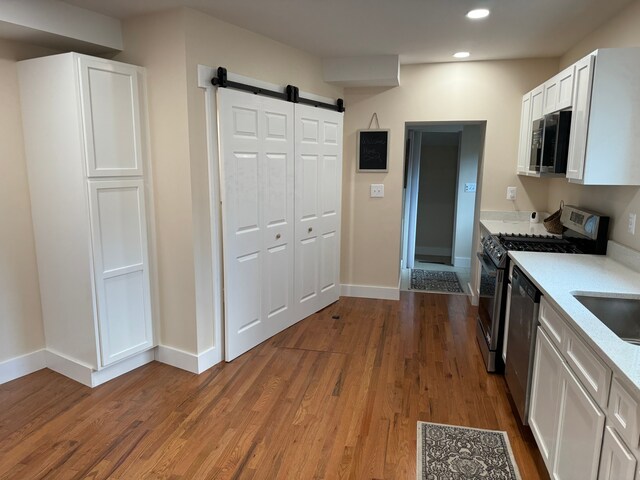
[(327, 398)]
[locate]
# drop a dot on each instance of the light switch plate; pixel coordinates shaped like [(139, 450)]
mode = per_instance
[(632, 223), (377, 190)]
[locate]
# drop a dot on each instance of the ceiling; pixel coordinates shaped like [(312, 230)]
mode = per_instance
[(420, 31)]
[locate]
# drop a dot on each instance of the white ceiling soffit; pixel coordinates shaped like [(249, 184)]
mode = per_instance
[(59, 25), (369, 71), (417, 30)]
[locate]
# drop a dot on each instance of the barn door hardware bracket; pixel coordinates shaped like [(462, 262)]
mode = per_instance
[(223, 82), (291, 93)]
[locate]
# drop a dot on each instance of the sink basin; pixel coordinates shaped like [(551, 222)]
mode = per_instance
[(620, 315)]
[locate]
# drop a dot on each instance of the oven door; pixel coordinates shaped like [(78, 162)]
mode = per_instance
[(490, 302)]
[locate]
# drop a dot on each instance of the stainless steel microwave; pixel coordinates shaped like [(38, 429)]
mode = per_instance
[(550, 143)]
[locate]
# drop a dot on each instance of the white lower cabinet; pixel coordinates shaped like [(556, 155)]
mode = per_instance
[(568, 419), (580, 429), (616, 461), (545, 397)]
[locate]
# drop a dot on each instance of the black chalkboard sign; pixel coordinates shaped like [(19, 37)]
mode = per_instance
[(373, 150)]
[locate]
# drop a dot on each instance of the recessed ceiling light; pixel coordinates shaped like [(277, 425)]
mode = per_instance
[(478, 13), (461, 54)]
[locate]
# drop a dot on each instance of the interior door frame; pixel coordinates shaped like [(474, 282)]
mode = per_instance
[(404, 251)]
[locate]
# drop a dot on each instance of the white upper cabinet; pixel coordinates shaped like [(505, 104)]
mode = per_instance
[(532, 105), (558, 92), (110, 117), (605, 143)]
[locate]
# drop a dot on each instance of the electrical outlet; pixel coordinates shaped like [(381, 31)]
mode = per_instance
[(469, 187), (377, 190), (632, 223), (512, 192)]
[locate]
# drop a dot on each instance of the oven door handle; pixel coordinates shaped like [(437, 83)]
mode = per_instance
[(490, 268)]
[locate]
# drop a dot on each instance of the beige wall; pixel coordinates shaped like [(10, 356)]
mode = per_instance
[(157, 42), (21, 328), (617, 202), (461, 91), (171, 45)]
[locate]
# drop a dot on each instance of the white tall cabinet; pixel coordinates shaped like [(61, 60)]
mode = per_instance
[(85, 135)]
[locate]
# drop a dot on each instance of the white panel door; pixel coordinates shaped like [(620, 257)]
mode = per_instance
[(318, 190), (110, 117), (121, 267), (257, 172), (580, 430)]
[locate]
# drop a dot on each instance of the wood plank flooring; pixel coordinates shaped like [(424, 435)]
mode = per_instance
[(328, 398)]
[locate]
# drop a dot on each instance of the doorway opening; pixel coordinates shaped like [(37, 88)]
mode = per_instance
[(442, 170)]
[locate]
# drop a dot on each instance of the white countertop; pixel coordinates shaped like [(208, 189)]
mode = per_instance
[(558, 276), (514, 227)]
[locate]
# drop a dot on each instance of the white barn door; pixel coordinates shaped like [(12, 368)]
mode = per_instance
[(317, 208), (257, 180)]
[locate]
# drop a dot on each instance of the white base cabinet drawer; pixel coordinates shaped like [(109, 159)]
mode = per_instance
[(593, 373), (553, 323), (616, 461)]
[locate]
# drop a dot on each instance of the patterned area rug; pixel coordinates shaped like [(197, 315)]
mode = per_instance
[(435, 281), (446, 452)]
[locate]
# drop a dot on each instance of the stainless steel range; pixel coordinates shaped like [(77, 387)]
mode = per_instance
[(585, 232)]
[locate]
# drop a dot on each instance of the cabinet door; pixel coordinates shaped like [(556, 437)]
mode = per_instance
[(524, 150), (121, 267), (537, 97), (580, 430), (616, 461), (545, 396), (317, 208), (551, 88), (580, 117), (565, 88), (257, 174), (111, 117)]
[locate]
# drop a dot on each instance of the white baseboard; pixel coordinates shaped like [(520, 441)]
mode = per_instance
[(370, 291), (92, 378), (474, 296), (188, 361), (23, 365), (462, 262)]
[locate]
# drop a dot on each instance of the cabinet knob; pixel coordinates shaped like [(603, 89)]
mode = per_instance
[(310, 229), (278, 236)]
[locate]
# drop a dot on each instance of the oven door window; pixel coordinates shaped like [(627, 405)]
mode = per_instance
[(488, 281)]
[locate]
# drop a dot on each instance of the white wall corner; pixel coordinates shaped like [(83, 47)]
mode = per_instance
[(370, 291), (23, 365), (60, 25), (367, 71), (188, 361)]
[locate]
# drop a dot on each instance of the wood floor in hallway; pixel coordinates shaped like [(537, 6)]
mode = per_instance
[(328, 398)]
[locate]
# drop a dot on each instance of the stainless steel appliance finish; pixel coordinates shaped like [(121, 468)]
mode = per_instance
[(620, 315), (550, 143), (586, 232), (490, 306), (523, 322)]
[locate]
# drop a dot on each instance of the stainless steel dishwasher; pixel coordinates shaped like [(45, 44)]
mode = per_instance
[(521, 340)]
